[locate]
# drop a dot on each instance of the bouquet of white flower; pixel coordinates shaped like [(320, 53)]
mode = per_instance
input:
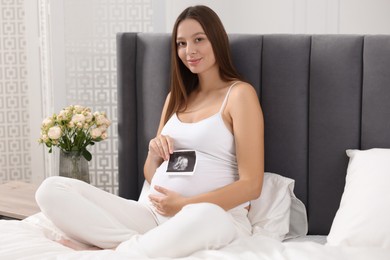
[(73, 129)]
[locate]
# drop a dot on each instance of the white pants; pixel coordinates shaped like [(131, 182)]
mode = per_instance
[(92, 216)]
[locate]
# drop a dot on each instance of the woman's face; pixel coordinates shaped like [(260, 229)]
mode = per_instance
[(193, 47)]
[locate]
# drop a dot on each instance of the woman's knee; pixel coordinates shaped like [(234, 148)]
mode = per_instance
[(45, 192), (42, 190)]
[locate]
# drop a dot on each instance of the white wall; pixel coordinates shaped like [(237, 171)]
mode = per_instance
[(17, 141), (291, 16), (34, 83), (365, 16)]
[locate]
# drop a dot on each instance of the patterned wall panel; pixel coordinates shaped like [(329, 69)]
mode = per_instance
[(15, 159), (90, 62)]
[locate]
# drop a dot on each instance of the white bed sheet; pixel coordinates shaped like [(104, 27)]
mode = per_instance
[(32, 239), (309, 238)]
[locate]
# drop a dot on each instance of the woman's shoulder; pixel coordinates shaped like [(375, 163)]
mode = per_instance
[(243, 103), (168, 96), (243, 90), (167, 99)]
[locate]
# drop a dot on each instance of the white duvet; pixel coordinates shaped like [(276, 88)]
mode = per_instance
[(33, 237)]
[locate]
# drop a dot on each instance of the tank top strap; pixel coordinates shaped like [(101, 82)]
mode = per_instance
[(226, 97)]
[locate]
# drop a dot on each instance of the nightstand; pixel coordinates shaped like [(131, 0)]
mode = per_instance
[(17, 200)]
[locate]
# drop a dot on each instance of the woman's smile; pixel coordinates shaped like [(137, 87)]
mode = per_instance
[(194, 62)]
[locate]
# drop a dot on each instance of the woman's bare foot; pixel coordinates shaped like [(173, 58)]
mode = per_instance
[(76, 246)]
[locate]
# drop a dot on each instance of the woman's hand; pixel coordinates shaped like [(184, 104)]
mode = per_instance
[(169, 203), (161, 146)]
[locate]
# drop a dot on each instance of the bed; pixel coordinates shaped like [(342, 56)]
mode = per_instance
[(326, 108)]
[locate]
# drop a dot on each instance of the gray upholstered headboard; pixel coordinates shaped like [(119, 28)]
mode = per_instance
[(321, 95)]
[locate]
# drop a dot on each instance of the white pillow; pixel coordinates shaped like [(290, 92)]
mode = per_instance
[(277, 212), (363, 218)]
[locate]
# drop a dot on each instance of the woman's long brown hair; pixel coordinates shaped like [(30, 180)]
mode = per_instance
[(183, 81)]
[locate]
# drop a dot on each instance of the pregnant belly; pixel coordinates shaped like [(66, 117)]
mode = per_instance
[(208, 175)]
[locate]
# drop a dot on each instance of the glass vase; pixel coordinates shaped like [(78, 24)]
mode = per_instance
[(74, 165)]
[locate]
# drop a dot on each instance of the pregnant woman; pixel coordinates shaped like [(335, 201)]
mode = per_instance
[(209, 110)]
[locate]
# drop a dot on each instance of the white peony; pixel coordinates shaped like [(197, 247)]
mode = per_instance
[(78, 109), (45, 138), (54, 132), (78, 118), (100, 119), (63, 115), (47, 122), (103, 128), (88, 116), (96, 133)]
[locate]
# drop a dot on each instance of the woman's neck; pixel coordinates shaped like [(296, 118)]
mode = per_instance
[(210, 81)]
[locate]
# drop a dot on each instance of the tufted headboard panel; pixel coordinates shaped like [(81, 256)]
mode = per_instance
[(320, 94)]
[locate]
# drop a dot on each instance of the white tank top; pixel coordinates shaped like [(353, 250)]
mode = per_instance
[(215, 149)]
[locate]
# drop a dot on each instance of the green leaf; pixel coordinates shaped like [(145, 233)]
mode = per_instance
[(87, 155)]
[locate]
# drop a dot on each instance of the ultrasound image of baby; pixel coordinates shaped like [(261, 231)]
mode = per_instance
[(182, 162)]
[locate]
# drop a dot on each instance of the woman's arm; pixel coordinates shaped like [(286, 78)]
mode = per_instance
[(157, 148), (244, 114)]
